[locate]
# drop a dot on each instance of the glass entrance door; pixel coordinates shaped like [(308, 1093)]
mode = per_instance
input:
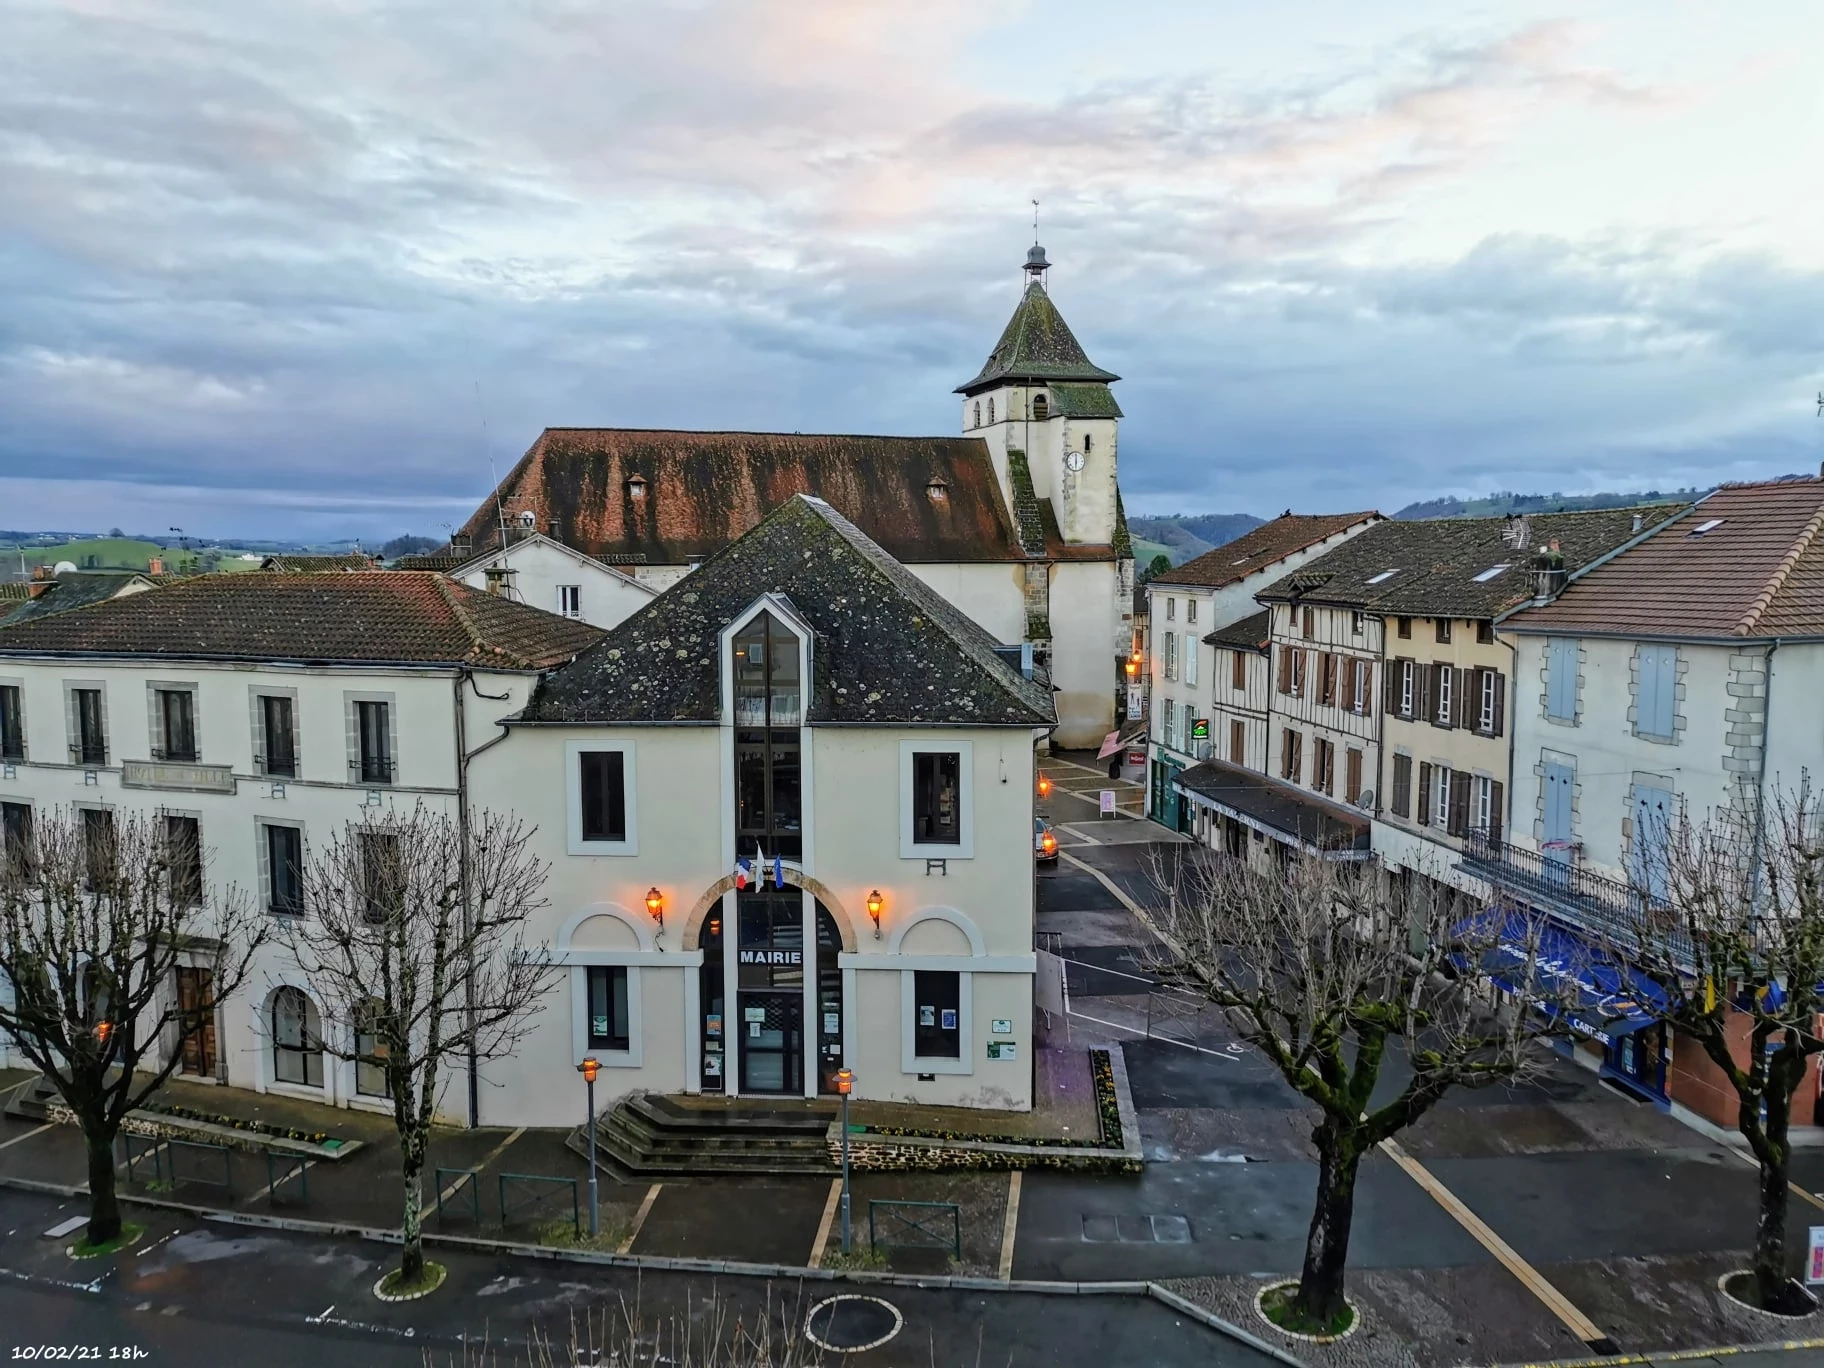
[(772, 1042)]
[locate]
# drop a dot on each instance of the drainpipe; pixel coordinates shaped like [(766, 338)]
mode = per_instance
[(463, 757)]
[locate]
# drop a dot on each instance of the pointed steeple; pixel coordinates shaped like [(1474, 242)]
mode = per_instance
[(1037, 343)]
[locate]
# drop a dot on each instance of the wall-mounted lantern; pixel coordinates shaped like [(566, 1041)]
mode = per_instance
[(875, 903)]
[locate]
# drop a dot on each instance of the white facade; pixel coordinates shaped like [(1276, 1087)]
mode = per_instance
[(548, 575), (431, 716)]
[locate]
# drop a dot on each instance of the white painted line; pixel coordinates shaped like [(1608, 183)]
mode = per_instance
[(639, 1217), (487, 1159), (267, 1190), (1010, 1225), (1137, 1031), (69, 1227), (156, 1243), (17, 1139), (823, 1226)]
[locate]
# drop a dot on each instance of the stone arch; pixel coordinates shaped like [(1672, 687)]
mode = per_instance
[(797, 878), (960, 920), (641, 925)]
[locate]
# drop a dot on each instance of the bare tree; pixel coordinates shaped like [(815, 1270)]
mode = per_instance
[(1729, 947), (99, 909), (1323, 966), (414, 932)]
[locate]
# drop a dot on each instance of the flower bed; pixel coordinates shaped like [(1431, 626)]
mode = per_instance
[(1053, 1141), (239, 1123), (1108, 1108)]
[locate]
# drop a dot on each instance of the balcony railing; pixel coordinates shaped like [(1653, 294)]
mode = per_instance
[(1619, 914)]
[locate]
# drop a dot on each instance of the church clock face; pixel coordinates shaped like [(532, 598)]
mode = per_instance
[(1073, 460)]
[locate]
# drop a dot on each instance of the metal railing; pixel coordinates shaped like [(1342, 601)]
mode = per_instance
[(1624, 915)]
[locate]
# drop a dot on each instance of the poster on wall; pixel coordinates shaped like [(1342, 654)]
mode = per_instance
[(832, 1023), (712, 1024), (1814, 1261), (1003, 1025), (927, 1016), (949, 1018), (712, 1066)]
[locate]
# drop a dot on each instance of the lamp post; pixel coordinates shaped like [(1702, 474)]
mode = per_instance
[(588, 1069), (845, 1081)]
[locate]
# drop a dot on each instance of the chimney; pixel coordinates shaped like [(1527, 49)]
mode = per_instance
[(1549, 574), (155, 565), (1640, 521), (41, 572), (459, 543), (40, 586), (500, 580)]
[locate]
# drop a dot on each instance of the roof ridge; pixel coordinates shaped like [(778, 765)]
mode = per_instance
[(446, 587), (1801, 544)]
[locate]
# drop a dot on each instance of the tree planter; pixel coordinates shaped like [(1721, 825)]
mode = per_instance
[(1355, 1316), (164, 1126), (434, 1274), (1747, 1276)]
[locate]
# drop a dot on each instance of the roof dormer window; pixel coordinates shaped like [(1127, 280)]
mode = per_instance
[(636, 486), (1383, 577), (1492, 572), (937, 489), (1706, 526)]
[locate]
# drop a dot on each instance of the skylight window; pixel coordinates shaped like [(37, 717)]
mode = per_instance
[(1384, 576), (1491, 572), (1704, 527)]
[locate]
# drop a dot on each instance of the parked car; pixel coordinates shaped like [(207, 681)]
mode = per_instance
[(1044, 842)]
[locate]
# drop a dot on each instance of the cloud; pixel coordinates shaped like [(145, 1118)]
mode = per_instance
[(320, 265)]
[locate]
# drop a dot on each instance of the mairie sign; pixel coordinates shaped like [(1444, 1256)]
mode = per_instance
[(787, 957)]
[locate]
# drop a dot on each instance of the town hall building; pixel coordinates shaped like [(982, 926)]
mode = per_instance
[(1017, 522)]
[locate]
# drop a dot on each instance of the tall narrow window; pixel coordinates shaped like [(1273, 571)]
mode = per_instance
[(991, 410), (176, 724), (284, 870), (1442, 781), (184, 859), (371, 1051), (278, 756), (91, 743), (1238, 670), (608, 1007), (1443, 626), (1171, 655), (769, 710), (1402, 785), (98, 850), (1190, 610), (1190, 656), (1238, 743), (1408, 670), (601, 775), (1446, 677), (373, 724), (1561, 666), (937, 1028), (297, 1040), (12, 723), (383, 875), (16, 839), (570, 600), (936, 798), (1352, 777), (1041, 408), (978, 414)]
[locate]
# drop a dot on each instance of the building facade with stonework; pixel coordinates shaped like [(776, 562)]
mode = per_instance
[(1017, 521)]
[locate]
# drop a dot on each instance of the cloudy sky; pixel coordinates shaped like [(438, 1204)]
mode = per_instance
[(307, 269)]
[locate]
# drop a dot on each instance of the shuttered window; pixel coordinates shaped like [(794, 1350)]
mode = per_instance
[(1655, 702), (1423, 812), (1238, 670), (1402, 785), (1561, 678), (1238, 743), (1352, 777)]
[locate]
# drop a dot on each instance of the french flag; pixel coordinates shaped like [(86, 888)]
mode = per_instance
[(743, 872)]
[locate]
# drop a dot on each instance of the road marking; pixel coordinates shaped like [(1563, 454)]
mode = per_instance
[(1676, 1356), (156, 1243), (1755, 1164), (1164, 1039), (8, 1144), (1079, 833), (1012, 1222), (487, 1159), (639, 1217), (1110, 885), (267, 1190), (1579, 1324), (823, 1226)]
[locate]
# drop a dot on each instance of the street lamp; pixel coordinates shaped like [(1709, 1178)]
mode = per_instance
[(1044, 787), (845, 1081), (588, 1069)]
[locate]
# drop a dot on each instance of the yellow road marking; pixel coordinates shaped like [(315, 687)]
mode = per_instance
[(1579, 1324), (823, 1226), (639, 1217), (1013, 1220)]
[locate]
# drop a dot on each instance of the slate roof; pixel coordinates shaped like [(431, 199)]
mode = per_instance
[(1273, 803), (888, 648), (703, 490), (1260, 547), (1083, 401), (1759, 572), (376, 617), (1036, 344), (288, 564), (1436, 561), (1249, 634), (71, 591)]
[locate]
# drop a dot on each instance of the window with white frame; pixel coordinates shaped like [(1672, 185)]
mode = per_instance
[(1171, 609), (1358, 695), (1170, 659), (1169, 714), (1190, 610), (937, 1028), (12, 722), (1440, 796), (1408, 674), (608, 1007), (174, 722), (371, 1052), (297, 1039), (1485, 705), (1190, 657), (937, 801), (570, 600), (1190, 723), (602, 814), (1446, 678)]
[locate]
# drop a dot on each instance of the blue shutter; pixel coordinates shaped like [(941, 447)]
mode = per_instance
[(1561, 678), (1646, 692), (1666, 701)]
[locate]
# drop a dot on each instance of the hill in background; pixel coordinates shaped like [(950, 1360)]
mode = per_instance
[(1183, 536)]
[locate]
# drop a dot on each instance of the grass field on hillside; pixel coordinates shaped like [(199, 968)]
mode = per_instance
[(119, 553)]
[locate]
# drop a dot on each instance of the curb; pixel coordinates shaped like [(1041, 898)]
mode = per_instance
[(721, 1267), (1674, 1355)]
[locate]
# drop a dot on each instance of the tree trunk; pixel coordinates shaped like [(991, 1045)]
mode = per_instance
[(1772, 1283), (1320, 1281), (104, 1206), (411, 1225)]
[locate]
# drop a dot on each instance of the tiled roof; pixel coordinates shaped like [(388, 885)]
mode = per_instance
[(1250, 634), (1273, 803), (288, 564), (15, 591), (72, 591), (1756, 570), (1436, 562), (379, 617), (888, 649), (1261, 547), (924, 499), (431, 560), (1036, 344)]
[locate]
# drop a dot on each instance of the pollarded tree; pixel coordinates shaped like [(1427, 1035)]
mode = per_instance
[(1324, 966), (1730, 947), (99, 909), (413, 931)]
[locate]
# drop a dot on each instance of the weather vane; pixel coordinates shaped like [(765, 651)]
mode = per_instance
[(1035, 238)]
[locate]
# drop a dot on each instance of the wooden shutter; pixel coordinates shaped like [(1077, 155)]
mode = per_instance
[(1390, 681), (1666, 702), (1468, 699), (1329, 784), (1497, 806), (1402, 784), (1330, 673), (1352, 776), (1238, 670), (1285, 669), (1459, 803), (1500, 703), (1238, 743), (1424, 810), (1367, 669)]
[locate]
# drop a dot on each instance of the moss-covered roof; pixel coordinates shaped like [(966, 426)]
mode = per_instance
[(1084, 401), (1037, 344), (889, 649), (1029, 522)]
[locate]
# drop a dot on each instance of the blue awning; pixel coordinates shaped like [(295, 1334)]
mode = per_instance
[(1598, 996)]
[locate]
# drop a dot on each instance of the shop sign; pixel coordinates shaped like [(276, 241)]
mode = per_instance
[(1200, 729), (785, 957), (1003, 1049)]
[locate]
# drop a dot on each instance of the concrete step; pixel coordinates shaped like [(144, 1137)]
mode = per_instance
[(27, 1101)]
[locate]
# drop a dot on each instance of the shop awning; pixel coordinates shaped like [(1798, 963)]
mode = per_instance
[(1278, 809), (1562, 974)]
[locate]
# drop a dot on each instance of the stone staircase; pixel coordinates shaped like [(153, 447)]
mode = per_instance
[(649, 1135), (27, 1101)]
